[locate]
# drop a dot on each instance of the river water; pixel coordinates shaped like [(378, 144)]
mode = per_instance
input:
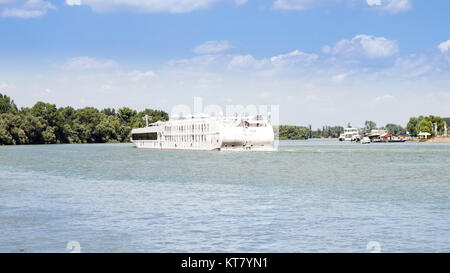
[(310, 196)]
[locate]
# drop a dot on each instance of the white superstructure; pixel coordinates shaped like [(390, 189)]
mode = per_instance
[(351, 134), (202, 132)]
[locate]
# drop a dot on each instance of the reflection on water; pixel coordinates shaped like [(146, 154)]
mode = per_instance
[(315, 195)]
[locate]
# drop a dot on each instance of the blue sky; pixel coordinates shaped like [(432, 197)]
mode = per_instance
[(323, 61)]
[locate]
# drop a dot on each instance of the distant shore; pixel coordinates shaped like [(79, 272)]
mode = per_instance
[(438, 139)]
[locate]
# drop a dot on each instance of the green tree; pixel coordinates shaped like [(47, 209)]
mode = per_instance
[(395, 129), (292, 132), (46, 111), (105, 131), (10, 124), (438, 121), (157, 115), (127, 115), (369, 125), (33, 128), (5, 137), (109, 111), (7, 105), (44, 123), (49, 135), (425, 126), (412, 126)]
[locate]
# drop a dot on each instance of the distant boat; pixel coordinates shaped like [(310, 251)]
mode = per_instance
[(350, 134), (397, 140), (392, 138), (365, 140)]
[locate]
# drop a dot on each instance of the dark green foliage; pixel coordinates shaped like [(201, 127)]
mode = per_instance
[(300, 132), (395, 129), (292, 132), (44, 123), (109, 111), (369, 125), (328, 132), (7, 105), (425, 124), (447, 120)]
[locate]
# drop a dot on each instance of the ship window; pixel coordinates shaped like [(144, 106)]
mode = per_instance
[(145, 136)]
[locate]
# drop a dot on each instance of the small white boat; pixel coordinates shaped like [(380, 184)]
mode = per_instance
[(365, 140)]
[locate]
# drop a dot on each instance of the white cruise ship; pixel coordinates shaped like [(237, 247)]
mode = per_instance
[(350, 134), (202, 132)]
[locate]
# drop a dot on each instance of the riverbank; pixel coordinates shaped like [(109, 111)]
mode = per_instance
[(440, 139)]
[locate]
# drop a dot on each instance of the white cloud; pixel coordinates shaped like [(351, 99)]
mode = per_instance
[(202, 60), (147, 6), (293, 4), (5, 86), (212, 47), (73, 2), (242, 61), (384, 98), (87, 63), (365, 45), (294, 58), (374, 2), (411, 78), (391, 5), (24, 9), (444, 46), (339, 77), (326, 49), (411, 66), (386, 5), (240, 2), (248, 62), (137, 75)]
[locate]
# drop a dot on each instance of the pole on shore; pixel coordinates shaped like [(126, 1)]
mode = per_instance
[(146, 120)]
